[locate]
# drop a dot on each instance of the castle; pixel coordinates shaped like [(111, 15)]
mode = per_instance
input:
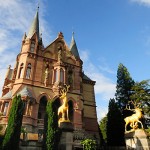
[(39, 74)]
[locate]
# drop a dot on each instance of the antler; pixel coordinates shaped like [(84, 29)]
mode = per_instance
[(127, 107), (135, 104), (64, 90), (130, 102)]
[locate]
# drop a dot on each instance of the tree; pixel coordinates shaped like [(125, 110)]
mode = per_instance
[(124, 86), (51, 132), (12, 135), (141, 94), (115, 125), (103, 128), (89, 144)]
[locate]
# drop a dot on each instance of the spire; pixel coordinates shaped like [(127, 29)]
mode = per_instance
[(73, 47), (34, 26), (24, 37)]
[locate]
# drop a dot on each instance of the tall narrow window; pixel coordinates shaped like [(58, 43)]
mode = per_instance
[(28, 72), (56, 75), (61, 75), (25, 107), (29, 111), (21, 71), (32, 46), (5, 108)]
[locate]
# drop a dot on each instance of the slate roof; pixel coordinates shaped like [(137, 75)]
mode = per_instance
[(86, 77), (25, 92), (7, 96), (73, 47), (34, 28)]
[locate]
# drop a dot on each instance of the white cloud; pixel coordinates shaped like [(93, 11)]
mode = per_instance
[(104, 85), (15, 19), (144, 2)]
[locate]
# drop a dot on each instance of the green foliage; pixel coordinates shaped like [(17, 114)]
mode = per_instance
[(115, 125), (148, 130), (103, 128), (12, 135), (89, 144), (124, 85), (51, 128), (141, 95)]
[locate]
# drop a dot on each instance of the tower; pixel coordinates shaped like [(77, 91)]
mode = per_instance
[(39, 74)]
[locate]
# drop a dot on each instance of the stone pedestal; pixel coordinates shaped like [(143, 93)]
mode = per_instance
[(137, 139), (66, 140)]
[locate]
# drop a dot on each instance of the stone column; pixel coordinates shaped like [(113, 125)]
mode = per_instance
[(66, 140), (137, 139)]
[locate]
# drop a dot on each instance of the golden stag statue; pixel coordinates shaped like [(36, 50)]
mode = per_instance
[(134, 118), (63, 109)]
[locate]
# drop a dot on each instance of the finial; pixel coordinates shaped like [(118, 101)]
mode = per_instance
[(9, 67), (60, 35)]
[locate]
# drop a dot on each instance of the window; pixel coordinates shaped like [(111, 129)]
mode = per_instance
[(32, 46), (5, 108), (21, 71), (28, 108), (25, 107), (28, 72), (56, 75), (61, 75)]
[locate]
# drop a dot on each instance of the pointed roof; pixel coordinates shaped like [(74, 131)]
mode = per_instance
[(34, 26), (73, 47), (25, 92), (86, 77), (7, 95)]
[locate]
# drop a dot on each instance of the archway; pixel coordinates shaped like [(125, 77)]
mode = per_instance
[(57, 104), (42, 108), (70, 103)]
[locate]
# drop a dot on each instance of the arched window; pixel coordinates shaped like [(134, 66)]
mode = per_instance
[(32, 46), (21, 71), (61, 75), (56, 75), (28, 72)]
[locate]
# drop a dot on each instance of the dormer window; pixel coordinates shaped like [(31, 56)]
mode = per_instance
[(32, 46), (21, 71), (28, 72)]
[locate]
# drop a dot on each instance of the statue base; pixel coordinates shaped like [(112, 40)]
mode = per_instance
[(66, 140), (137, 139)]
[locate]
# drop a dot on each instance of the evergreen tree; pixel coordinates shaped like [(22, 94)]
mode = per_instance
[(12, 135), (115, 125), (103, 129), (51, 134), (123, 88)]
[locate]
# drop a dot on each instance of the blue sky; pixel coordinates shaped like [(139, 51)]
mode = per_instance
[(107, 32)]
